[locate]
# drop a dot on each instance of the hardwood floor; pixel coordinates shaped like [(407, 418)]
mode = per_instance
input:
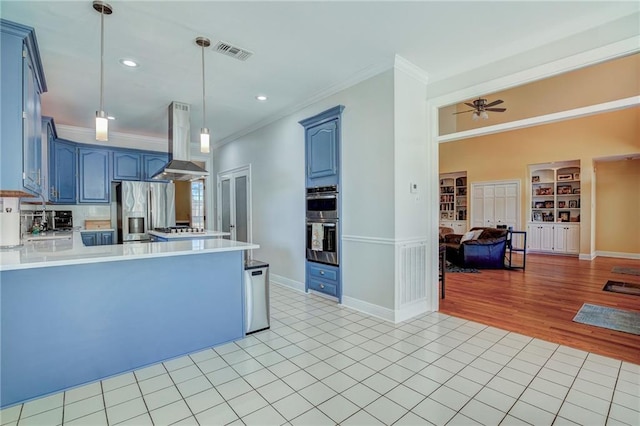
[(542, 301)]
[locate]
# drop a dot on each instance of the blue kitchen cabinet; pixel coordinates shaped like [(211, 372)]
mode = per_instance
[(106, 238), (153, 163), (62, 171), (127, 165), (97, 238), (94, 180), (89, 238), (322, 147), (22, 81), (324, 279)]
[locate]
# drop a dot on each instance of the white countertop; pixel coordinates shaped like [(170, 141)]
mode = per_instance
[(182, 235), (47, 252)]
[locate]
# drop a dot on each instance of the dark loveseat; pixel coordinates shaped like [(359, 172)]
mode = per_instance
[(487, 251)]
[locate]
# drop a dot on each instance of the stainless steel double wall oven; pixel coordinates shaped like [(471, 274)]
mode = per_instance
[(322, 224)]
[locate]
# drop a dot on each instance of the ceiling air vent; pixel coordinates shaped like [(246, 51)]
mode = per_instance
[(233, 51)]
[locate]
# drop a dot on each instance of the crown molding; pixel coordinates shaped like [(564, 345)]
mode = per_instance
[(411, 69), (116, 139)]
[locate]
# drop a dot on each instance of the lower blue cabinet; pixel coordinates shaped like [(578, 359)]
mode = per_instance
[(324, 279), (97, 238)]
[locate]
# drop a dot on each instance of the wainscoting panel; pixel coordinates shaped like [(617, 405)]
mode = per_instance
[(412, 269)]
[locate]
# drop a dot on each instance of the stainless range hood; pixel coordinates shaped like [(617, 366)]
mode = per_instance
[(180, 167)]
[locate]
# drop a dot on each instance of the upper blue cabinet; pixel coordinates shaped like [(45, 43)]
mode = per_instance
[(322, 147), (94, 179), (62, 171), (127, 165), (22, 81), (153, 163)]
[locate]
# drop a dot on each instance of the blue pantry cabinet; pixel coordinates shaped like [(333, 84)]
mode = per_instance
[(94, 178), (22, 81), (322, 161)]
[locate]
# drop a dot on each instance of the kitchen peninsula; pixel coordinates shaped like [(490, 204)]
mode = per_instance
[(72, 314)]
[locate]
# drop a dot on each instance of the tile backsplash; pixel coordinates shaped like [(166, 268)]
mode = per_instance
[(80, 212)]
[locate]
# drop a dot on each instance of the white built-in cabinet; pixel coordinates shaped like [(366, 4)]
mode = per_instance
[(495, 204), (554, 220), (453, 201)]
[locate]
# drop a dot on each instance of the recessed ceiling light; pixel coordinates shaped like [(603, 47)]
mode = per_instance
[(129, 63), (261, 98)]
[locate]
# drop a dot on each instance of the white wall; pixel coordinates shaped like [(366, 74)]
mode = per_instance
[(410, 156), (276, 155)]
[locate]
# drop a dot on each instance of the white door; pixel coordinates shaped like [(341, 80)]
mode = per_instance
[(506, 208), (489, 207), (573, 239), (477, 207), (546, 238), (494, 204), (234, 204), (560, 239)]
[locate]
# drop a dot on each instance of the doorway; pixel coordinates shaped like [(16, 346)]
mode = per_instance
[(190, 202), (234, 203)]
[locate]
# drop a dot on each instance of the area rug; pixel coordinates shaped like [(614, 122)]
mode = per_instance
[(451, 268), (626, 270), (622, 287), (611, 318)]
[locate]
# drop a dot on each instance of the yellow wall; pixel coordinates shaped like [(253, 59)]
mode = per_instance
[(604, 82), (618, 206), (506, 156)]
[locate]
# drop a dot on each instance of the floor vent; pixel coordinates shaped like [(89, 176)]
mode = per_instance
[(231, 50)]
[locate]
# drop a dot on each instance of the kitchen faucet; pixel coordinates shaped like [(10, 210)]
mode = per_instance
[(44, 213)]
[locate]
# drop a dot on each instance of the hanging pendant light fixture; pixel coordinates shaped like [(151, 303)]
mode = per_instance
[(204, 131), (102, 122)]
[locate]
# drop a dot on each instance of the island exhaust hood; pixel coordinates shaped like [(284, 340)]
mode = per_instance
[(180, 167)]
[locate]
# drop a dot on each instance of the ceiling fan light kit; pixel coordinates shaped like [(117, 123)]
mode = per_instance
[(102, 122), (480, 108)]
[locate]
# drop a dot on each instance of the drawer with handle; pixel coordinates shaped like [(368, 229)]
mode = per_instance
[(323, 287), (323, 272)]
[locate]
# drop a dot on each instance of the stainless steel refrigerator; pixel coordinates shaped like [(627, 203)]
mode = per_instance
[(138, 207)]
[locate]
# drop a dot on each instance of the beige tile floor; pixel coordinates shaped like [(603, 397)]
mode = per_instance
[(321, 363)]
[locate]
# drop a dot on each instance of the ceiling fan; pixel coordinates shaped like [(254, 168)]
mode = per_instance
[(480, 108)]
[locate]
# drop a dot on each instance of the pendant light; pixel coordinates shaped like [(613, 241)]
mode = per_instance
[(102, 122), (204, 131)]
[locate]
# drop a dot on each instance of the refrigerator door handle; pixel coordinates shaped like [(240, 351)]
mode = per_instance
[(150, 225)]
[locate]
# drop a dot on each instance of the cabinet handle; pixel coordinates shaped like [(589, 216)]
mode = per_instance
[(321, 272), (321, 285)]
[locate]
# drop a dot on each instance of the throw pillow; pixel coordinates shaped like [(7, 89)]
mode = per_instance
[(467, 236), (477, 233)]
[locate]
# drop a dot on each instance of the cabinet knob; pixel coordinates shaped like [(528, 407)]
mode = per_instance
[(321, 272), (321, 285)]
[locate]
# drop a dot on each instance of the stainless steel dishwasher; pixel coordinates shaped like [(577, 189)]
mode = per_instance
[(256, 296)]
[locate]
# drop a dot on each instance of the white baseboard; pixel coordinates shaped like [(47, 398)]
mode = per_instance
[(369, 308), (587, 256), (411, 310), (286, 282), (395, 316), (617, 254)]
